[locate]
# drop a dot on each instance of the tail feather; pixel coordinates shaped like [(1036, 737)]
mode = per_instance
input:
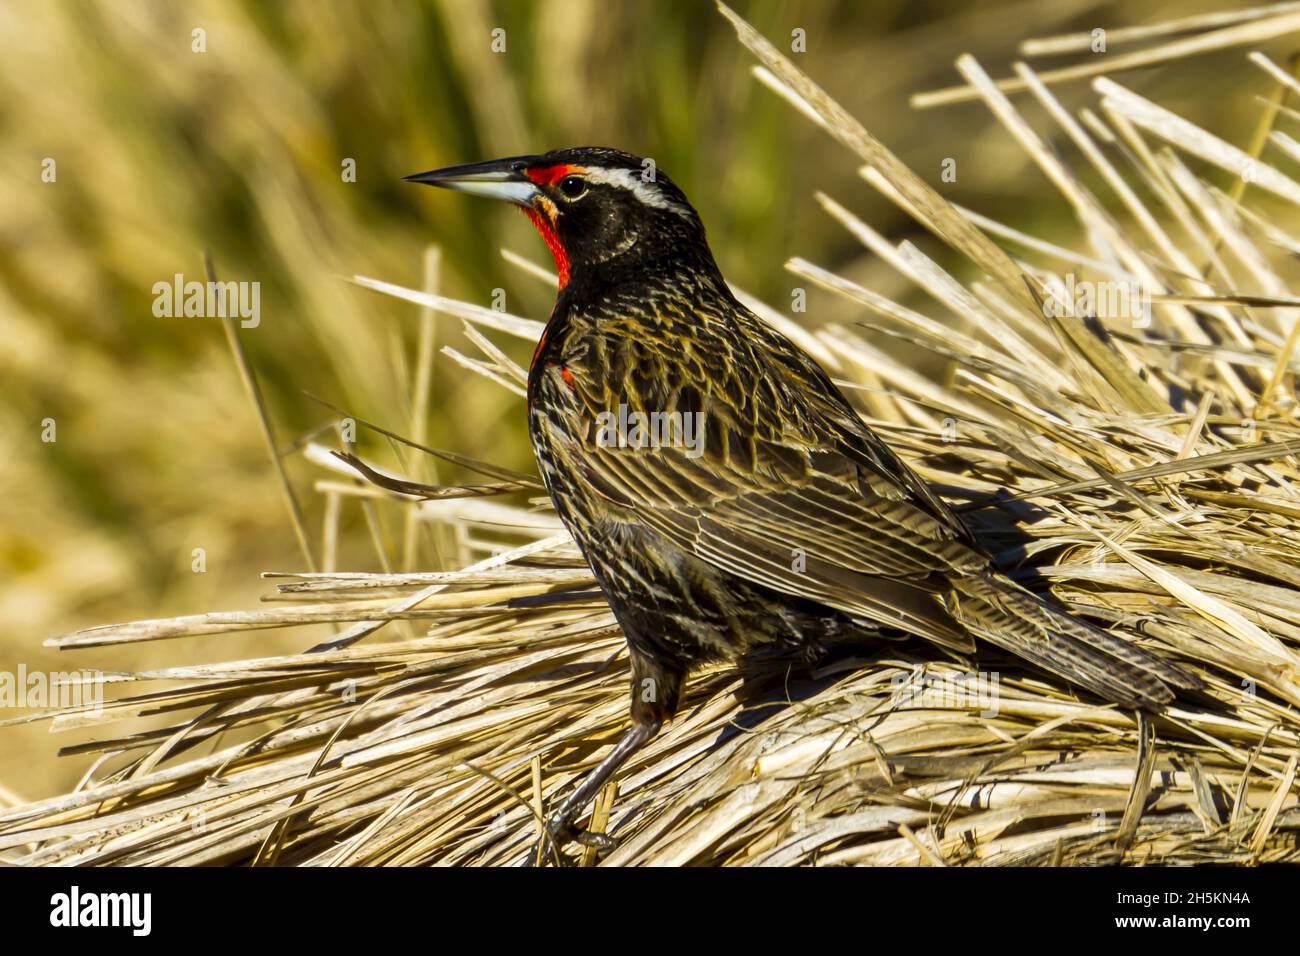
[(1007, 616)]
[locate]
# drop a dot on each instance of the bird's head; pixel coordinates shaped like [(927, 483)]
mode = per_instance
[(601, 211)]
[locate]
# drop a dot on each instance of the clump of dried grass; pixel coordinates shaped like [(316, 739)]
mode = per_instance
[(1147, 474)]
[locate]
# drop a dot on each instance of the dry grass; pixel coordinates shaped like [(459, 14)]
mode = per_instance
[(1147, 473)]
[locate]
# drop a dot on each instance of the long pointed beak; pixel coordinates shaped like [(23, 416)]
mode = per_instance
[(496, 179)]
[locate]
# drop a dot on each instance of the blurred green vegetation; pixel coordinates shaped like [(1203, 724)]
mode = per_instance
[(162, 152)]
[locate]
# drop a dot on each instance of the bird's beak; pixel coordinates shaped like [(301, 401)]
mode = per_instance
[(497, 179)]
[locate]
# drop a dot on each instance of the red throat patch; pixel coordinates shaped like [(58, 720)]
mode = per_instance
[(544, 226), (549, 176)]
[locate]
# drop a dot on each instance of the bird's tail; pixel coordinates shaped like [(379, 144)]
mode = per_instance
[(1006, 615)]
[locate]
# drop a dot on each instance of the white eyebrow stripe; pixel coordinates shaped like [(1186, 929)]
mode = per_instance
[(629, 179)]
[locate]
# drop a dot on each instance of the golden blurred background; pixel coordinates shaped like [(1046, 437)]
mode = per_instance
[(161, 151)]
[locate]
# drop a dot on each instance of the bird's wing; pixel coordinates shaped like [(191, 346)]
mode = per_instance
[(783, 486)]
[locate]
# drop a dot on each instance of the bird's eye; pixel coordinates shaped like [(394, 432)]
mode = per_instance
[(573, 186)]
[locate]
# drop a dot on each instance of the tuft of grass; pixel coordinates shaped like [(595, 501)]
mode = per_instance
[(1146, 472)]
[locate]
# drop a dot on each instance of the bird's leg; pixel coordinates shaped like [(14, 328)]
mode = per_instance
[(655, 691), (559, 823)]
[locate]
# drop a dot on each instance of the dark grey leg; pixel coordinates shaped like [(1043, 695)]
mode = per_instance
[(655, 692)]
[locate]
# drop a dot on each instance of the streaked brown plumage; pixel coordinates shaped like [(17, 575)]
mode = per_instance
[(794, 527)]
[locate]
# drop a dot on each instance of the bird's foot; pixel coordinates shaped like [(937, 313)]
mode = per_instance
[(559, 831)]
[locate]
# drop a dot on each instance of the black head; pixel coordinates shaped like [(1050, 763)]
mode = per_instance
[(600, 210)]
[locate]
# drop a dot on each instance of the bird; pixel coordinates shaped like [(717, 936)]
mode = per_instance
[(726, 495)]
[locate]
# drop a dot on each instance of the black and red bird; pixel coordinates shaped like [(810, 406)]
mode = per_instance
[(786, 524)]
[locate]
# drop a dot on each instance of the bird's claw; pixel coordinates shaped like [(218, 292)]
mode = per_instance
[(558, 832), (600, 842)]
